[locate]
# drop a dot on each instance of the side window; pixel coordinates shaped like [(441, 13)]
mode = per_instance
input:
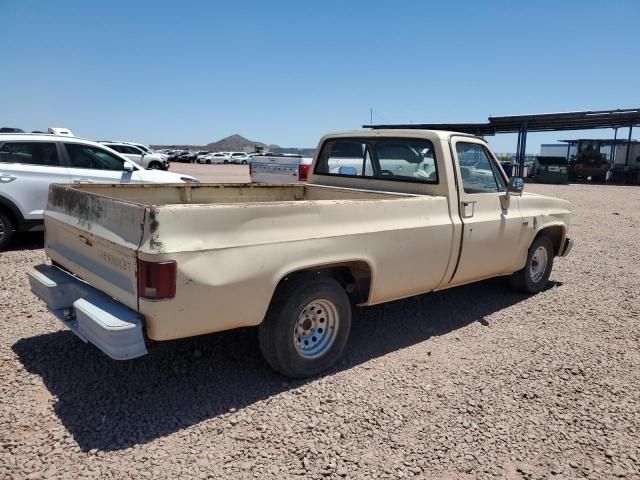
[(30, 153), (479, 174), (87, 156), (130, 150), (117, 148), (404, 159)]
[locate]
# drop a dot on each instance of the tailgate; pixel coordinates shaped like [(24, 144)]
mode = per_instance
[(274, 169), (96, 238)]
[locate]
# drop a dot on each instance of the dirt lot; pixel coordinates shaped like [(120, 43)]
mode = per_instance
[(214, 173), (475, 382)]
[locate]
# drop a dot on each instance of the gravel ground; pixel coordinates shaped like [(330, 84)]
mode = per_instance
[(214, 173), (474, 382)]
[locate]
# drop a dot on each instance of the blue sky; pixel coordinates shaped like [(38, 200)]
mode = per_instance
[(286, 72)]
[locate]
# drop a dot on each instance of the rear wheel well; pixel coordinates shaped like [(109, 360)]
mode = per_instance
[(555, 234), (354, 277)]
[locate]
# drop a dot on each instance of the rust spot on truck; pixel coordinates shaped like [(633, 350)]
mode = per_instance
[(154, 244), (85, 208)]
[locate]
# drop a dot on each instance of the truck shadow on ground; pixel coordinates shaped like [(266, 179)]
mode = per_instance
[(110, 405)]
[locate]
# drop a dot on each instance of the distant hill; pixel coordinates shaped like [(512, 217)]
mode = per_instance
[(233, 143)]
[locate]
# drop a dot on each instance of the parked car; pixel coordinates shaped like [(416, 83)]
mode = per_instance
[(30, 163), (143, 147), (153, 161), (273, 168), (148, 150), (214, 158), (187, 156), (238, 157), (203, 158), (173, 262), (176, 154)]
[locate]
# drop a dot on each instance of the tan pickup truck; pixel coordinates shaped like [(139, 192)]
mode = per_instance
[(386, 214)]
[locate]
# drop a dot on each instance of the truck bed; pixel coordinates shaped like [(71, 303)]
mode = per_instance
[(207, 194), (233, 243)]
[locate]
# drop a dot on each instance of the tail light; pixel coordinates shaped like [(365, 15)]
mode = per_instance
[(303, 172), (156, 280)]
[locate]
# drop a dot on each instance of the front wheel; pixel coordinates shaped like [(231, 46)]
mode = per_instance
[(307, 325), (7, 229), (155, 166), (535, 274)]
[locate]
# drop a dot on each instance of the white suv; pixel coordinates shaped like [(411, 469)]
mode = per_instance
[(153, 161), (29, 163)]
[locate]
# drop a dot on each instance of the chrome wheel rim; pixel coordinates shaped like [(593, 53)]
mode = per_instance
[(538, 265), (316, 328)]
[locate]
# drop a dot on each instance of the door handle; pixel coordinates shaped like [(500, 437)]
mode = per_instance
[(4, 178), (78, 180), (468, 208)]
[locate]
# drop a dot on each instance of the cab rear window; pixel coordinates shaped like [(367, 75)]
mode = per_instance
[(407, 160)]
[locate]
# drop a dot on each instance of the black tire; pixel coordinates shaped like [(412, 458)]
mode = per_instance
[(290, 301), (225, 162), (523, 280), (244, 162), (208, 162), (7, 230), (155, 166)]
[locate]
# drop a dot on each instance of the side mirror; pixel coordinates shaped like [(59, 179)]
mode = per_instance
[(515, 186), (127, 167)]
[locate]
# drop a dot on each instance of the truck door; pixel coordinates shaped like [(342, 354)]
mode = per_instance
[(491, 234)]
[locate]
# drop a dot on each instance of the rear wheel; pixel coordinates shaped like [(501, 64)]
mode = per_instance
[(535, 274), (307, 325), (7, 229), (225, 162)]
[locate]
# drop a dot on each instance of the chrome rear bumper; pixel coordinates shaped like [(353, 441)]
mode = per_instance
[(93, 316)]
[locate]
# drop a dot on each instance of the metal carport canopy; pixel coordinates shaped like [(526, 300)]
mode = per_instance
[(539, 122), (545, 122)]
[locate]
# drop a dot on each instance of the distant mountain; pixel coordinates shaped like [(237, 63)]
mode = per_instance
[(232, 143), (236, 143)]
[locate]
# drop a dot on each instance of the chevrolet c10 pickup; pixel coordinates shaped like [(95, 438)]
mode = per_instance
[(385, 214)]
